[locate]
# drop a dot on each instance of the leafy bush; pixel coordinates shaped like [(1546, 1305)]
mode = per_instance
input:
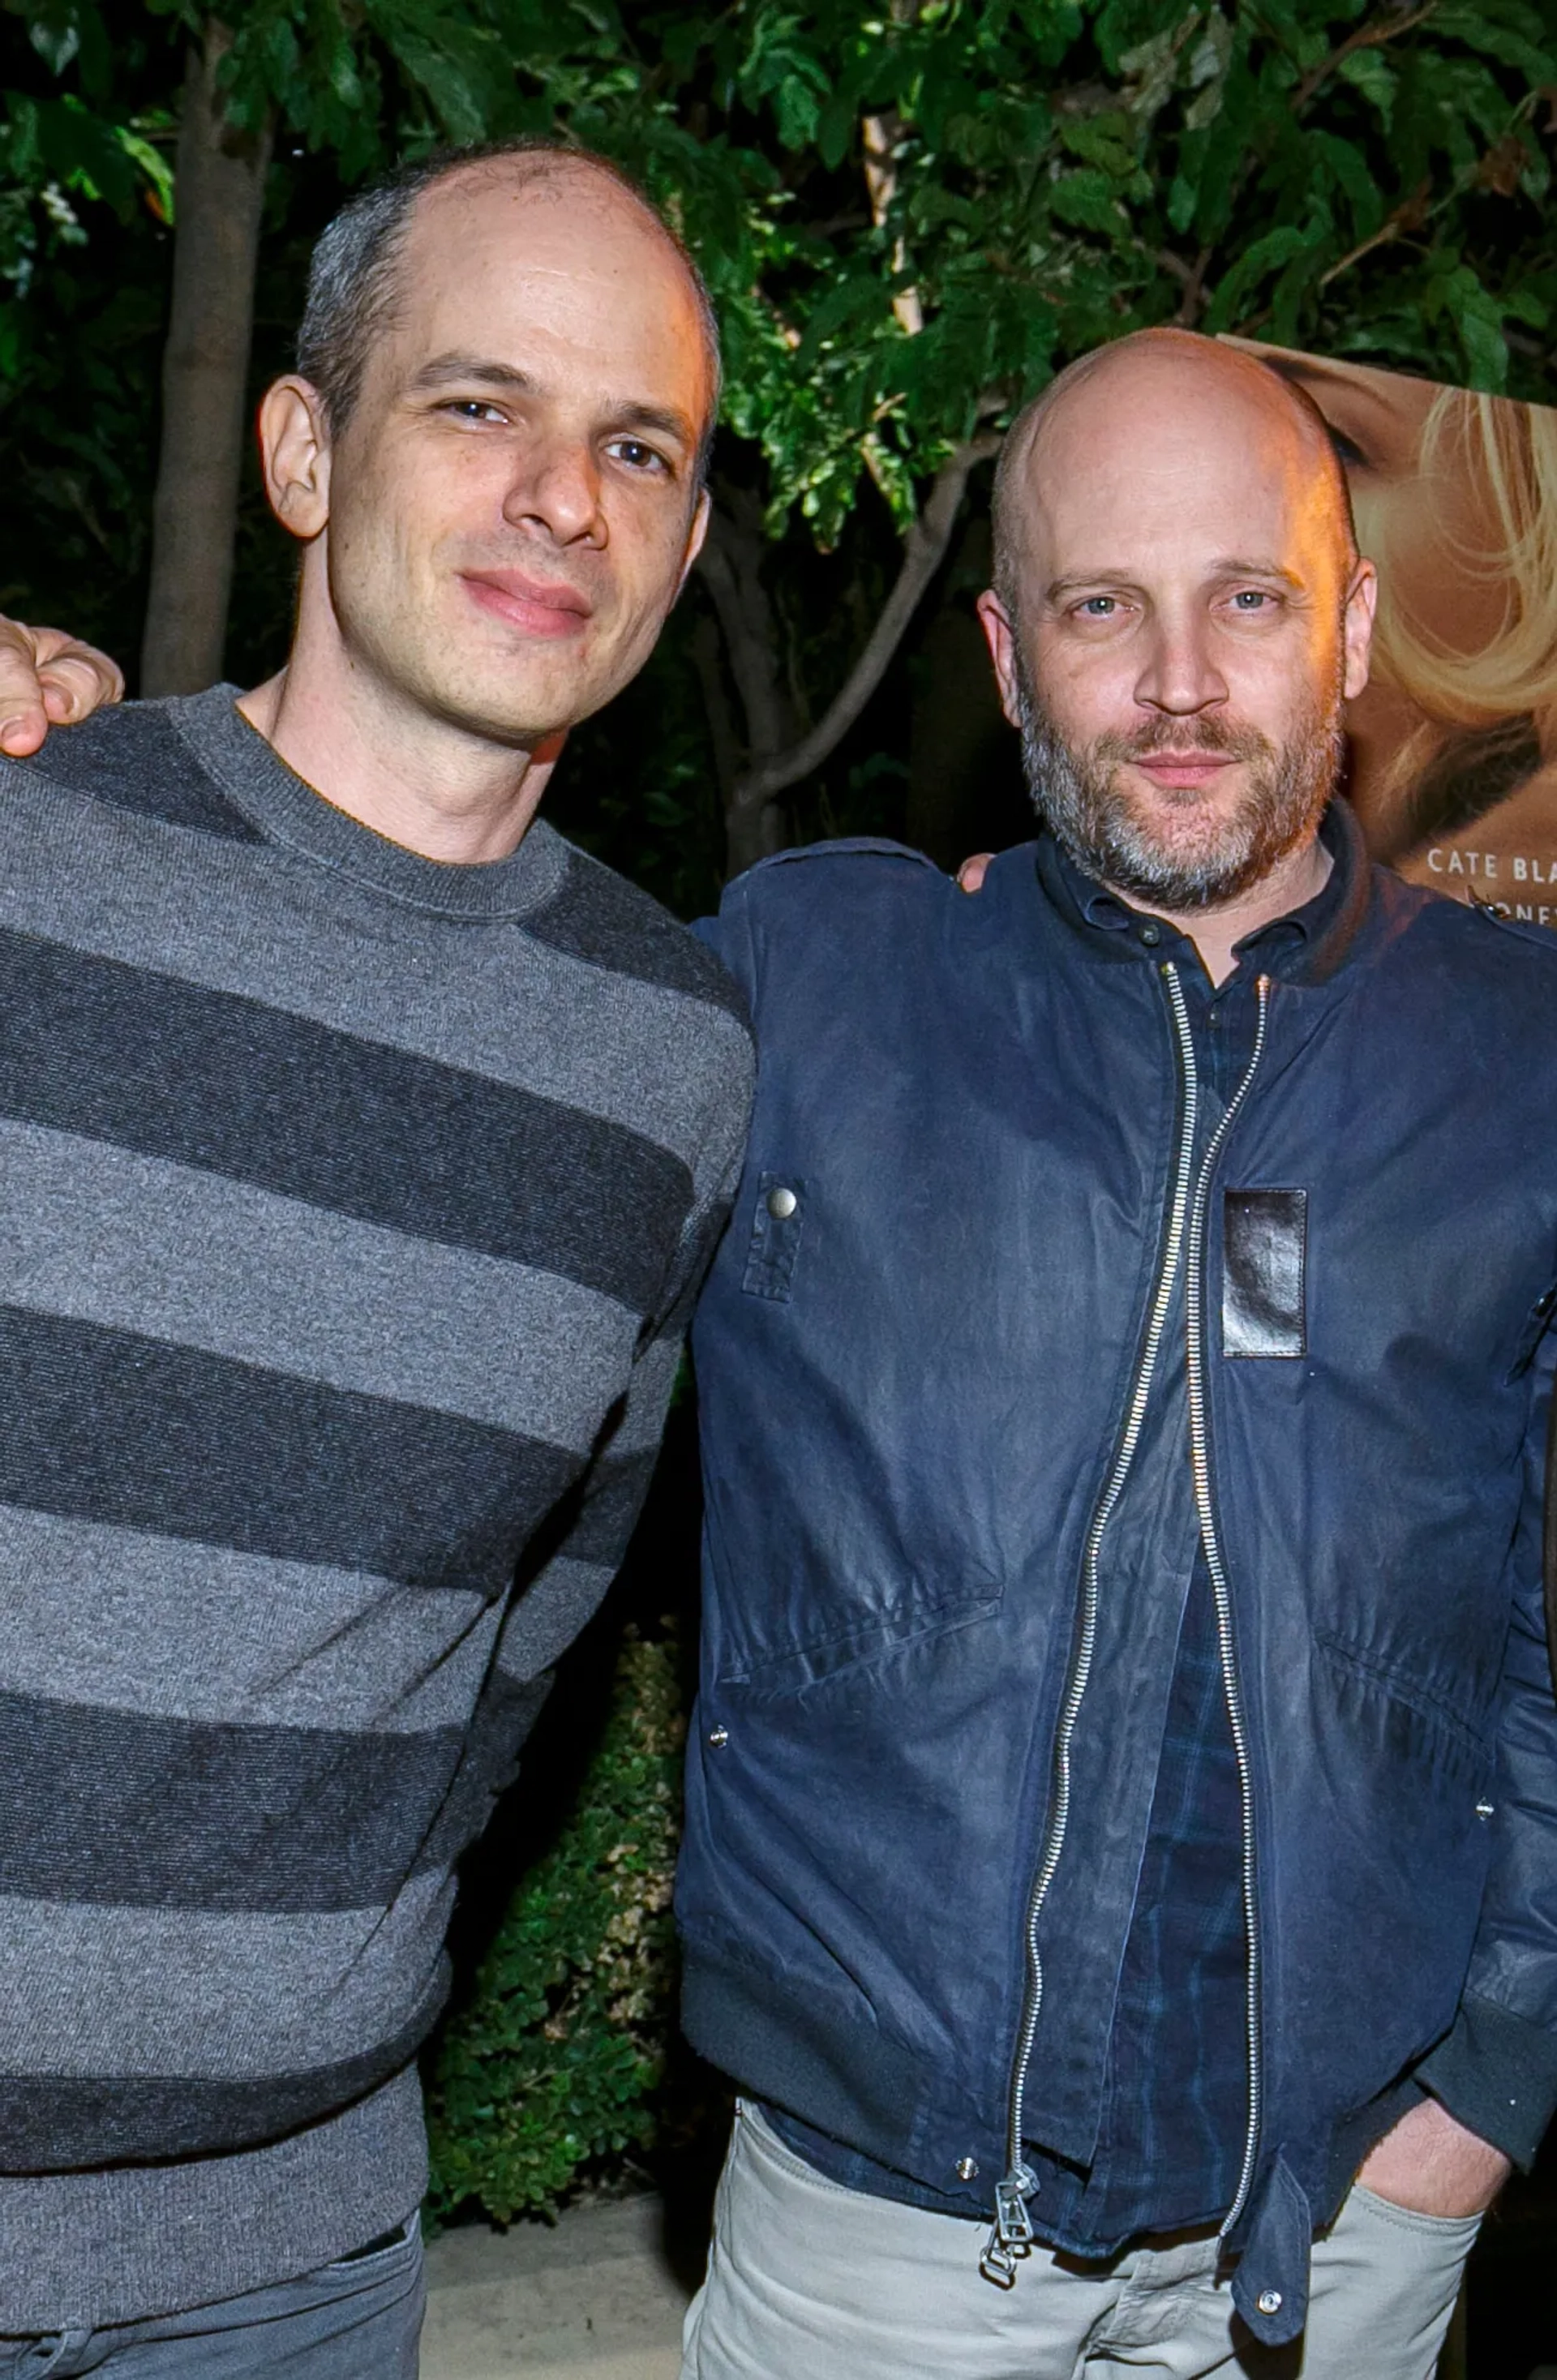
[(553, 2063)]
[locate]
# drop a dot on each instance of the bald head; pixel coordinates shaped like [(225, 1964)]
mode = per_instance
[(1115, 407), (1178, 612), (355, 276)]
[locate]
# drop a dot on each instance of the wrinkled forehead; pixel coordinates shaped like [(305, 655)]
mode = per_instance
[(554, 252), (1161, 467)]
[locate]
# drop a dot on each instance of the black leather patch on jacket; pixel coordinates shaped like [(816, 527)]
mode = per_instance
[(1264, 1236)]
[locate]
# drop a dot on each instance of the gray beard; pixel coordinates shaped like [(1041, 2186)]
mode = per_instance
[(1080, 796)]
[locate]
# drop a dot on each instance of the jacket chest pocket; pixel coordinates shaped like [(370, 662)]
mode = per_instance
[(1264, 1269), (778, 1218)]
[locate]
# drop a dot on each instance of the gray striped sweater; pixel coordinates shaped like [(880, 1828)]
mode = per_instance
[(352, 1207)]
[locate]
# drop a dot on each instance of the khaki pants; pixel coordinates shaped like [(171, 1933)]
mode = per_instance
[(810, 2281)]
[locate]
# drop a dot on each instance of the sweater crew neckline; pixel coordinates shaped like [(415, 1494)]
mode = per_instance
[(291, 812)]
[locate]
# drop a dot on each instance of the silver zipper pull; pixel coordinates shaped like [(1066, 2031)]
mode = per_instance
[(1012, 2238)]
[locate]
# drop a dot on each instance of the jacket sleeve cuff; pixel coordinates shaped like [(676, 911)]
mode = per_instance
[(1497, 2074)]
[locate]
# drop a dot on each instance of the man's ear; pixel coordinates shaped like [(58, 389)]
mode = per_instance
[(1000, 635), (1357, 626), (696, 532), (295, 452)]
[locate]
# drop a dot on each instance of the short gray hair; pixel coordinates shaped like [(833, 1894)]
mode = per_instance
[(353, 271)]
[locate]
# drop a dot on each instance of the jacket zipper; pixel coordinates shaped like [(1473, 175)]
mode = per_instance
[(1199, 1461), (1012, 2235)]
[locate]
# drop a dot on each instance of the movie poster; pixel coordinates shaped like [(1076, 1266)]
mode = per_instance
[(1454, 741)]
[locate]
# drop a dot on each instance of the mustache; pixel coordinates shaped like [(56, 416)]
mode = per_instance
[(1184, 741)]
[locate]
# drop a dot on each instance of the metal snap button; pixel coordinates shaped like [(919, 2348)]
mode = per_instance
[(1268, 2301), (782, 1204), (1484, 1810), (1151, 935), (968, 2169), (719, 1737)]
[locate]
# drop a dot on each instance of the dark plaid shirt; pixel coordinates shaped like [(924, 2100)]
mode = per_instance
[(1170, 2144)]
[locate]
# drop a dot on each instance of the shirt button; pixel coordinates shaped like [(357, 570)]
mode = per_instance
[(782, 1205), (1268, 2301), (1151, 935), (719, 1737), (968, 2169)]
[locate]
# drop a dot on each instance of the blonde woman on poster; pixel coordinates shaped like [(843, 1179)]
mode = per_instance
[(1454, 741)]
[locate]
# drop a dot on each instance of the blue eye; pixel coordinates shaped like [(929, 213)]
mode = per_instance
[(1099, 607)]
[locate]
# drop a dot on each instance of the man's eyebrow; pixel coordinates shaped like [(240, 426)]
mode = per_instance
[(484, 371), (1239, 565), (1058, 588), (1103, 582)]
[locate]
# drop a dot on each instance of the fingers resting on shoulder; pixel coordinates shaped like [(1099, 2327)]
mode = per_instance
[(48, 679)]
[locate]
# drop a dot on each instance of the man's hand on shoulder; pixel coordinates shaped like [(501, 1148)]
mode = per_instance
[(48, 679), (1431, 2164), (970, 874)]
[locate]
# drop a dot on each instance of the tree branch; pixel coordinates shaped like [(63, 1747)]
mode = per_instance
[(924, 551), (730, 567), (1373, 35), (881, 135)]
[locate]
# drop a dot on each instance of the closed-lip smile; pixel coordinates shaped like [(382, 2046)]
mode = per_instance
[(541, 607), (1182, 768)]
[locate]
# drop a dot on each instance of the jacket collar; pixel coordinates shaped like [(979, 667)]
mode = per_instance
[(1305, 946)]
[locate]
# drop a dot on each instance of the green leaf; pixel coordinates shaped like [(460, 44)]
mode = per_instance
[(1344, 161), (1274, 248), (56, 36), (1089, 199), (1477, 318), (1102, 140), (157, 169), (1371, 74)]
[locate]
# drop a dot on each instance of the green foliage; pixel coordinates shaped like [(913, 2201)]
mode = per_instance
[(1366, 177), (1316, 172), (551, 2065)]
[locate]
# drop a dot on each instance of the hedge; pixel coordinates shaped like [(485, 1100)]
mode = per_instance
[(552, 2066)]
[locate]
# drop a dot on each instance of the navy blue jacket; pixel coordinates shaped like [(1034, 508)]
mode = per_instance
[(919, 1355)]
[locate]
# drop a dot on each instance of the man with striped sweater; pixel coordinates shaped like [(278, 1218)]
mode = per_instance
[(363, 1149)]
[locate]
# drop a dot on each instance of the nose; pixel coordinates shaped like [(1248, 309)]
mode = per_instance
[(556, 495), (1180, 676)]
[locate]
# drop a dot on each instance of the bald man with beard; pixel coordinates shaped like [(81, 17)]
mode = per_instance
[(1121, 1793), (1120, 1830)]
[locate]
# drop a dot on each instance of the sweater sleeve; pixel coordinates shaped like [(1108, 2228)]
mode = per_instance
[(585, 1547)]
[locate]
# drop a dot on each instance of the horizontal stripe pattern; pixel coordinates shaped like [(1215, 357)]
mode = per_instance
[(232, 2223), (110, 1426), (130, 1811), (182, 1993), (103, 1615), (493, 1003), (596, 916), (348, 1206), (112, 1806), (239, 1271), (135, 758), (54, 2125), (113, 1053)]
